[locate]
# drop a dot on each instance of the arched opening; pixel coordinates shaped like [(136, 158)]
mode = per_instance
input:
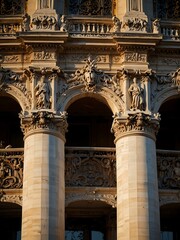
[(168, 136), (10, 132), (170, 221), (90, 220), (10, 221), (89, 124)]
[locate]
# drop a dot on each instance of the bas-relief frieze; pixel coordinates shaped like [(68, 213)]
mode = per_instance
[(11, 169), (168, 170), (88, 168)]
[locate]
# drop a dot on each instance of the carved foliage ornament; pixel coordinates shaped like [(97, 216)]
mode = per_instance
[(44, 120), (139, 122)]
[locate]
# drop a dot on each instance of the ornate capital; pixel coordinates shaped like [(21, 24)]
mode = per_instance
[(44, 121), (135, 123)]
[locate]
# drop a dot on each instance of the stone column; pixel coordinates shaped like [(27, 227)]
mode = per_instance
[(137, 187), (43, 181)]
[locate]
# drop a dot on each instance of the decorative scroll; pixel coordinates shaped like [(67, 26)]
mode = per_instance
[(88, 7), (168, 170), (12, 7), (11, 169), (90, 168)]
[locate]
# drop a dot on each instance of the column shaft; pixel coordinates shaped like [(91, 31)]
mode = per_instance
[(43, 190), (137, 189)]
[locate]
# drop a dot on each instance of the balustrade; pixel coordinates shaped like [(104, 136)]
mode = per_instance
[(88, 167), (170, 30), (11, 168), (90, 26)]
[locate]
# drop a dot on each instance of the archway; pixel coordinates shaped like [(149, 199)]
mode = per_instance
[(168, 136), (10, 221), (170, 221), (90, 220), (89, 124), (10, 132)]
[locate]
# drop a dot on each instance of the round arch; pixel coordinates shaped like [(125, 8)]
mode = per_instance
[(164, 96), (19, 94), (105, 95)]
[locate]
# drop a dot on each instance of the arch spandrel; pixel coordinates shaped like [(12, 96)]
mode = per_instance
[(163, 88), (12, 85)]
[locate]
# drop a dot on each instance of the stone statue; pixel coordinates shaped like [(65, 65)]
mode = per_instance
[(117, 24), (26, 23), (42, 93), (63, 24), (156, 26), (136, 93)]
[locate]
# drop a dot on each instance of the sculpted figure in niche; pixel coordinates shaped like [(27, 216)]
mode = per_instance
[(136, 93), (42, 93)]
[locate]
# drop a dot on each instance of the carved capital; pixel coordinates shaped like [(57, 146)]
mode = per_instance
[(44, 121), (135, 123)]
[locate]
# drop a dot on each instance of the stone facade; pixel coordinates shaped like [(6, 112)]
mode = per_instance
[(122, 56)]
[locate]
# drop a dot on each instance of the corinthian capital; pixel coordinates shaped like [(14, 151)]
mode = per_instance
[(135, 123), (44, 121)]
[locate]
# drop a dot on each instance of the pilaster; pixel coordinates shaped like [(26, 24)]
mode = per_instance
[(137, 187), (43, 180)]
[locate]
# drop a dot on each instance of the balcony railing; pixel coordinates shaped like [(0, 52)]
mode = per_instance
[(11, 168), (170, 30), (90, 27), (168, 163), (88, 167)]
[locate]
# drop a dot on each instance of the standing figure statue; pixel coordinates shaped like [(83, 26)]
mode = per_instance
[(42, 93), (136, 93)]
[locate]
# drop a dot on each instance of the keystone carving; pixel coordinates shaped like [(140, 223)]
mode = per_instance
[(92, 79)]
